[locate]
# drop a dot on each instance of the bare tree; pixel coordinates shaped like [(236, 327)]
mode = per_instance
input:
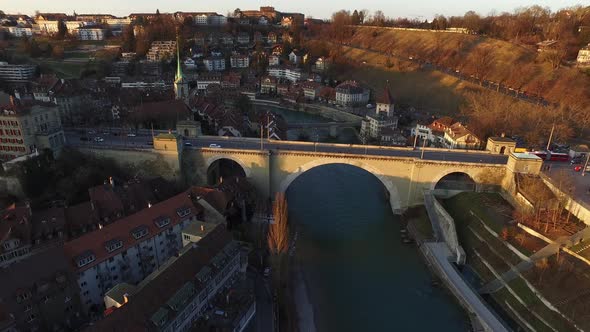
[(278, 234)]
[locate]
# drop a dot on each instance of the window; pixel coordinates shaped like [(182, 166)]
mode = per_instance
[(183, 211), (113, 245), (139, 232), (86, 258), (162, 221), (186, 237), (28, 308), (31, 318), (84, 283), (67, 299)]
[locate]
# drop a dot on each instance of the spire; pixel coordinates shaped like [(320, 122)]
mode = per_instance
[(179, 77)]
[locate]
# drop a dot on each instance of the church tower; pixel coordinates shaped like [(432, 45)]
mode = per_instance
[(180, 85)]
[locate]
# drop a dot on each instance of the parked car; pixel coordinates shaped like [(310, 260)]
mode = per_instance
[(91, 132), (98, 139), (266, 272), (576, 161), (188, 144), (131, 135), (578, 168), (150, 143), (216, 146)]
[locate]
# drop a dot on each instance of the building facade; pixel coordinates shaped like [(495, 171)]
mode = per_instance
[(87, 33), (239, 61), (583, 58), (130, 249), (16, 73), (25, 129), (351, 93), (215, 63)]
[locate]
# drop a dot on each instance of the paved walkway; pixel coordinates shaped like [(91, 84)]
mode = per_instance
[(440, 254), (549, 250)]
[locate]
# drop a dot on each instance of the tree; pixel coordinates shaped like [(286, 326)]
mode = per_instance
[(243, 104), (379, 18), (62, 30), (278, 233), (355, 19), (128, 39)]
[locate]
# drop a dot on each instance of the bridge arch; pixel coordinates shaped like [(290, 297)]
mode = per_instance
[(394, 198), (464, 180), (224, 165)]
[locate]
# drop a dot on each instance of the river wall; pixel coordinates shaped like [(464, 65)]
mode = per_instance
[(327, 112)]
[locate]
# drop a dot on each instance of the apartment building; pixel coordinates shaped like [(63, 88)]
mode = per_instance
[(25, 128), (288, 73), (20, 32), (214, 63), (180, 294), (89, 33), (16, 73), (161, 50), (239, 61), (41, 294), (131, 248)]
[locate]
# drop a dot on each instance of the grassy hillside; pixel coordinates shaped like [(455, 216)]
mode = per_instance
[(499, 61)]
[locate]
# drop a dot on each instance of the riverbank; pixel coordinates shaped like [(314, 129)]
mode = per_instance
[(305, 309)]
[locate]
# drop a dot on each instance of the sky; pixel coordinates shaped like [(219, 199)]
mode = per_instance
[(421, 9)]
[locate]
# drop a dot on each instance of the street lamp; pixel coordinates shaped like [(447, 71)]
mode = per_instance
[(586, 165)]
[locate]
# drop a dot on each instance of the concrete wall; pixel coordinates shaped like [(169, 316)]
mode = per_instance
[(140, 158), (445, 225)]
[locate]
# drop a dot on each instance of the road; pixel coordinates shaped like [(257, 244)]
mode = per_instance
[(579, 185), (143, 141), (264, 320)]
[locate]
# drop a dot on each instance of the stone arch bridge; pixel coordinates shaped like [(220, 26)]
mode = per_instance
[(404, 178)]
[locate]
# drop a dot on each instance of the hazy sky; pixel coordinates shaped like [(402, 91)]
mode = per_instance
[(316, 8)]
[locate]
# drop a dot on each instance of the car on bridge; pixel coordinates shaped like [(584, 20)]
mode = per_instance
[(215, 146)]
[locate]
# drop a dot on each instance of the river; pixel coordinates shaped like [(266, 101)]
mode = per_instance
[(360, 277), (346, 136)]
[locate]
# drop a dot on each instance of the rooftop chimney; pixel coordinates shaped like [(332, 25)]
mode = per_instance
[(202, 228), (112, 182), (503, 135), (125, 298)]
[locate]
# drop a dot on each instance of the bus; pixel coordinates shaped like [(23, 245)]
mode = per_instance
[(540, 154), (554, 156)]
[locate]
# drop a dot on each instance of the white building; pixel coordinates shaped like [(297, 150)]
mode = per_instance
[(190, 63), (423, 131), (239, 61), (16, 73), (296, 57), (291, 74), (584, 56), (20, 31), (274, 60), (118, 23), (215, 63), (51, 27), (129, 249), (87, 33), (350, 93)]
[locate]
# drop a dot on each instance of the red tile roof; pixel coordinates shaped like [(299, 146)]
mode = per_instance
[(137, 314), (385, 97), (95, 241)]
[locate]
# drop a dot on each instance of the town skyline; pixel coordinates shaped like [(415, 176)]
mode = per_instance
[(423, 10)]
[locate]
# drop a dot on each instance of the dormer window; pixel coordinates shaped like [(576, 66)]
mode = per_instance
[(162, 221), (113, 245), (86, 258), (183, 211), (139, 232)]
